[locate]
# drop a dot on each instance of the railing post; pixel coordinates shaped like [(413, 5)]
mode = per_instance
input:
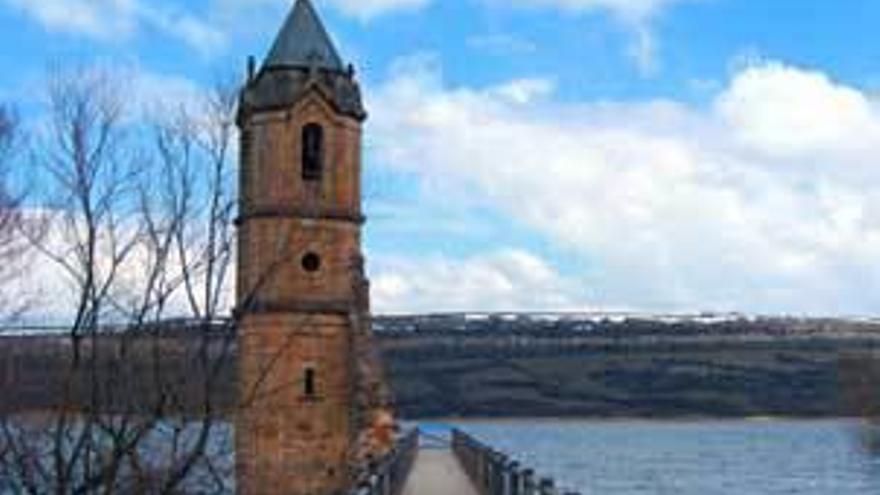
[(496, 474), (484, 471), (514, 487), (529, 487), (386, 483), (547, 487), (503, 475), (490, 472), (487, 471), (387, 475)]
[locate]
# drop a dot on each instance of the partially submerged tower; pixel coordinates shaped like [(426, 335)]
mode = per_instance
[(302, 294)]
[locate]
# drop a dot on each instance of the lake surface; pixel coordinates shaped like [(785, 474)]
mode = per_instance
[(830, 457), (692, 458)]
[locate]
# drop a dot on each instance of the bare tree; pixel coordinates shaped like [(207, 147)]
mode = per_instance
[(195, 233), (11, 216), (8, 139), (138, 218), (140, 237)]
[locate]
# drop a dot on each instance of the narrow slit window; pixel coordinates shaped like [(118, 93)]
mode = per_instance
[(312, 152), (309, 385)]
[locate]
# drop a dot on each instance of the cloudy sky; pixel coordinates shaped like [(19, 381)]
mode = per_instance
[(652, 155)]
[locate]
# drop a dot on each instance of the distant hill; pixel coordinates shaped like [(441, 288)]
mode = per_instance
[(630, 366), (585, 365)]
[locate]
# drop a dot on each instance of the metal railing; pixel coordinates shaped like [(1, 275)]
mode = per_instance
[(389, 474), (494, 473)]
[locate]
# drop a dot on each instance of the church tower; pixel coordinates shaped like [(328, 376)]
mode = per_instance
[(302, 294)]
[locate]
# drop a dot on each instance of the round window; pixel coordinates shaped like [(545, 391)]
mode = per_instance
[(311, 262)]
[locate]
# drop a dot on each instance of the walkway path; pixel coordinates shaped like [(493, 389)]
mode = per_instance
[(437, 472)]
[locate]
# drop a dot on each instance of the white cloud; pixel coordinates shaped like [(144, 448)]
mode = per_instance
[(629, 9), (187, 28), (674, 207), (368, 9), (642, 50), (145, 95), (524, 91), (636, 16), (48, 290), (156, 93), (49, 294), (109, 20), (783, 110), (762, 202), (501, 281), (97, 18), (364, 10), (501, 44)]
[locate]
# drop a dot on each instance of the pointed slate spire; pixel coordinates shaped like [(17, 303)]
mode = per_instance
[(303, 42)]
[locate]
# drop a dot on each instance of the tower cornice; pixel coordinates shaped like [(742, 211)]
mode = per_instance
[(282, 89), (303, 59), (293, 213)]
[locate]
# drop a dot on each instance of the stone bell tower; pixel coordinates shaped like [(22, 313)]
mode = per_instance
[(301, 287)]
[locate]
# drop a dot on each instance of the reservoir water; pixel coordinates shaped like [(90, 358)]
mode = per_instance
[(778, 457), (693, 457)]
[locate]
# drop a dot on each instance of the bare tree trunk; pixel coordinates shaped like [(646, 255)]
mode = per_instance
[(141, 237), (12, 250), (139, 220)]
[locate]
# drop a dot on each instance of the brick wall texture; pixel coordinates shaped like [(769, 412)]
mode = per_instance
[(294, 437)]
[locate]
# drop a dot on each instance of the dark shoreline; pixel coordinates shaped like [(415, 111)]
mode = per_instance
[(454, 367)]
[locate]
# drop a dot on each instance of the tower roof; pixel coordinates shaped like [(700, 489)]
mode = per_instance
[(303, 42)]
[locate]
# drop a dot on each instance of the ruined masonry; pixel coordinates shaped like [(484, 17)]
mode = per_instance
[(309, 385)]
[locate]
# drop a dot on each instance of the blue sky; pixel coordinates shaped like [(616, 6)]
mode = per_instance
[(653, 155)]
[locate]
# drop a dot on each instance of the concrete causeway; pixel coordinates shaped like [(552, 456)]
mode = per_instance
[(438, 472)]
